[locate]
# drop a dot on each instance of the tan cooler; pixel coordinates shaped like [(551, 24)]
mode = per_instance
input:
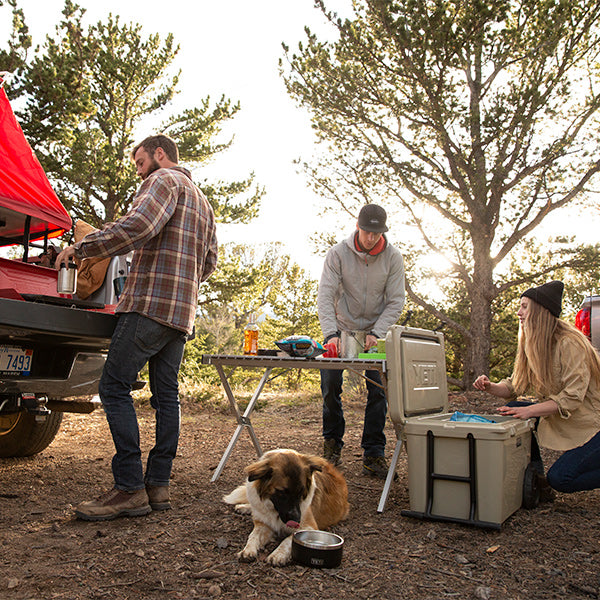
[(457, 471)]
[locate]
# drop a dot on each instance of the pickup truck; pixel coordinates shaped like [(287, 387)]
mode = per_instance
[(52, 346), (587, 319)]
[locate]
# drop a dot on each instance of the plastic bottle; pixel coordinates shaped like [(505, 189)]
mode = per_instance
[(251, 337)]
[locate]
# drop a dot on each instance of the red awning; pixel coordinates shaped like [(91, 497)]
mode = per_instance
[(24, 187)]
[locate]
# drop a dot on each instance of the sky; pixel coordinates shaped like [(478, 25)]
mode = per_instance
[(232, 48)]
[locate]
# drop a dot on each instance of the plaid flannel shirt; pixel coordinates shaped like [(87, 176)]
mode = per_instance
[(171, 228)]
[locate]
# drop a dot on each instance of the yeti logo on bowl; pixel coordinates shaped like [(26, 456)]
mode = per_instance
[(315, 548)]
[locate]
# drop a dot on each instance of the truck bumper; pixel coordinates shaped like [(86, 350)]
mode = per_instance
[(82, 380)]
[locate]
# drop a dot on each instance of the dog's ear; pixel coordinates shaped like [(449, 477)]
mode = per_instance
[(314, 464), (259, 470)]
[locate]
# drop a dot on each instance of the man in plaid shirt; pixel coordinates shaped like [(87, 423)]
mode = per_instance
[(171, 229)]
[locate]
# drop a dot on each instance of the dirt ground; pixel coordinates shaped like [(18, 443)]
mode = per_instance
[(552, 551)]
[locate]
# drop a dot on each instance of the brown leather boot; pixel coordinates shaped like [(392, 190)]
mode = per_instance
[(114, 503), (158, 496), (332, 451)]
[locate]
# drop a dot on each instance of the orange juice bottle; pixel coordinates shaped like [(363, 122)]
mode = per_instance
[(251, 337)]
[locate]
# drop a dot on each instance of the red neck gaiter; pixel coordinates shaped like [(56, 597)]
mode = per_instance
[(376, 249)]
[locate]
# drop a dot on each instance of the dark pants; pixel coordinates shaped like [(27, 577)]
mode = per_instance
[(136, 341), (575, 470), (334, 425)]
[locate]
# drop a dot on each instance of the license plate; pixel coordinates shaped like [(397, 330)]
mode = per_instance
[(15, 360)]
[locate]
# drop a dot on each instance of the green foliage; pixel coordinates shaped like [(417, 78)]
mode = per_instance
[(247, 280), (294, 306), (259, 280), (13, 57), (85, 94), (294, 310), (472, 122), (88, 90), (580, 279)]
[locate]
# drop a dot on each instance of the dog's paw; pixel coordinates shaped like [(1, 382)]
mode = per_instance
[(243, 509), (282, 555), (279, 558), (246, 556)]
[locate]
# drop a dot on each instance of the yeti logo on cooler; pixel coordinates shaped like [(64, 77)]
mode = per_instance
[(425, 375)]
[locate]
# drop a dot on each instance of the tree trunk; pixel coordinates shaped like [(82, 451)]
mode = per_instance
[(477, 350), (482, 294)]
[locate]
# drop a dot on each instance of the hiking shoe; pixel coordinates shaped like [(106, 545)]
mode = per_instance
[(332, 451), (375, 466), (158, 496), (114, 503)]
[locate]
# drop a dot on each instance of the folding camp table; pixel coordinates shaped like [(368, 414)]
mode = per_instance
[(268, 363)]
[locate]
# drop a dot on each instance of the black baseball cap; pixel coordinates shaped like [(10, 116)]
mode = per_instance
[(372, 218)]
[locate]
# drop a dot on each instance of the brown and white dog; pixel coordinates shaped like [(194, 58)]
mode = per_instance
[(285, 491)]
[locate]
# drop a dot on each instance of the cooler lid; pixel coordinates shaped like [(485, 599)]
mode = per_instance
[(416, 373)]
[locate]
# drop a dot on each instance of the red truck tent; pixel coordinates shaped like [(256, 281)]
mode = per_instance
[(24, 188)]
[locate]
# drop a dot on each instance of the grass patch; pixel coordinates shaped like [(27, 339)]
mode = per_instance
[(201, 394)]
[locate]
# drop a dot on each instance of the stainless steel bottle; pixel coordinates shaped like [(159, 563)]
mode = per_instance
[(67, 278)]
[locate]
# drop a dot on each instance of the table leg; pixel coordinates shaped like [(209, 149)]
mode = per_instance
[(390, 476), (243, 420)]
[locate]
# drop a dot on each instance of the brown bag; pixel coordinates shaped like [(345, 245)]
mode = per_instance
[(92, 271)]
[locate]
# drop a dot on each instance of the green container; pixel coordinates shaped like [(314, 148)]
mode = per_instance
[(372, 355)]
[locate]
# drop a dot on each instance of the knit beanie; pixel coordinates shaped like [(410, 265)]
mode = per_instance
[(548, 295)]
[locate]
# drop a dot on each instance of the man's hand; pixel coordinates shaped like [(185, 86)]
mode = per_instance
[(336, 341), (64, 255), (370, 341)]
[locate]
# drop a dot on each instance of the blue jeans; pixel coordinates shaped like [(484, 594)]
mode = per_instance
[(575, 470), (138, 340), (334, 425)]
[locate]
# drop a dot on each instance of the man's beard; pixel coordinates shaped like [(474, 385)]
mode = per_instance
[(154, 166)]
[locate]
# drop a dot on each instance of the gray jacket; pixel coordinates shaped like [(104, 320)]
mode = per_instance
[(360, 292)]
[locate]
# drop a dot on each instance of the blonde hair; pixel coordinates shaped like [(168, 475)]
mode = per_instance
[(533, 370)]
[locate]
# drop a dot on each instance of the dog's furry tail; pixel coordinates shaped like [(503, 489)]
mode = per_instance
[(238, 496)]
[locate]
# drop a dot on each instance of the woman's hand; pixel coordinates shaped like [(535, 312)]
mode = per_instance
[(518, 412), (482, 383), (537, 409)]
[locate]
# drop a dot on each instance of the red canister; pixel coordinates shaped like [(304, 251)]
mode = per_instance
[(330, 350)]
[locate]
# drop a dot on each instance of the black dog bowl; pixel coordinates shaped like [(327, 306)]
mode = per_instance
[(317, 548)]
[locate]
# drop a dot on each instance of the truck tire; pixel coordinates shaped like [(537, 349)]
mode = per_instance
[(22, 435)]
